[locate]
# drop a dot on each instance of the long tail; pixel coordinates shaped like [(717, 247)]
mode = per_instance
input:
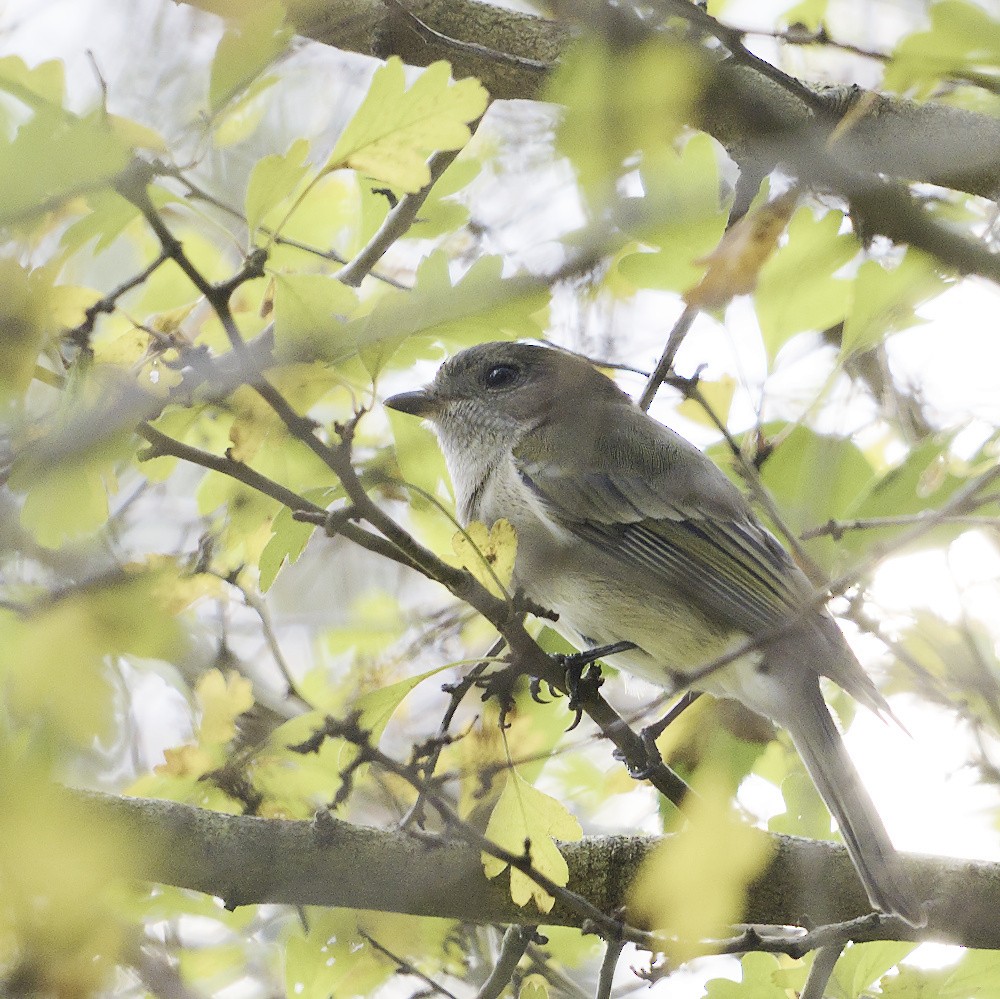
[(822, 749)]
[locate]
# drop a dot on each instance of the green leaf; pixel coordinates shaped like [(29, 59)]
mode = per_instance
[(55, 155), (24, 321), (885, 299), (620, 101), (807, 498), (488, 553), (759, 981), (108, 216), (962, 38), (809, 13), (862, 965), (395, 130), (523, 815), (917, 983), (65, 873), (288, 541), (213, 966), (332, 958), (50, 519), (37, 86), (240, 118), (442, 212), (714, 404), (534, 987), (418, 455), (977, 974), (250, 44), (923, 480), (274, 180), (311, 312), (686, 184), (53, 658), (376, 707), (796, 290), (804, 814), (482, 305)]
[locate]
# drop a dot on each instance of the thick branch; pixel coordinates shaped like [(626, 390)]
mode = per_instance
[(246, 860), (507, 51)]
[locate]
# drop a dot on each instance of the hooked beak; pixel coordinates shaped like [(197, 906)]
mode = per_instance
[(423, 402)]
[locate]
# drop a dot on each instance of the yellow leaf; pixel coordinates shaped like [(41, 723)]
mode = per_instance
[(734, 265), (222, 700), (395, 130), (135, 134), (121, 347), (52, 520), (694, 885), (177, 590), (254, 423), (534, 987), (185, 761), (717, 396), (26, 316), (254, 38), (488, 554), (525, 817)]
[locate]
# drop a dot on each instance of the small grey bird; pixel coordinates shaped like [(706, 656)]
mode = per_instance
[(631, 534)]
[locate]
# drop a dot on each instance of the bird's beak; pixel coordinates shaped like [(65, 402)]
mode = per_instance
[(420, 403)]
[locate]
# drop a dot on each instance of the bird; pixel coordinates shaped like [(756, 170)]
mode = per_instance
[(631, 534)]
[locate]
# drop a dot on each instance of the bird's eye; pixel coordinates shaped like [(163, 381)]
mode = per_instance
[(500, 376)]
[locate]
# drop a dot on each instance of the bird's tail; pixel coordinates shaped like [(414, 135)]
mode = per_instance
[(822, 749)]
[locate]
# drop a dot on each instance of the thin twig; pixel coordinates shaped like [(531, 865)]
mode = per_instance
[(404, 967), (609, 965), (542, 964), (838, 528), (473, 48), (797, 944), (801, 37), (163, 446), (515, 943), (397, 223), (457, 691), (259, 607), (822, 968), (198, 193), (80, 333), (732, 38), (666, 361)]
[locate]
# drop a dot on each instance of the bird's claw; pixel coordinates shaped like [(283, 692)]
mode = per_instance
[(653, 760), (583, 675), (535, 689)]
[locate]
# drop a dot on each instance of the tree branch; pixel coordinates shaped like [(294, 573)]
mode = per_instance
[(930, 143), (246, 860)]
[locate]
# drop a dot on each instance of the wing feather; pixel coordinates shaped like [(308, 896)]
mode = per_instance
[(673, 513)]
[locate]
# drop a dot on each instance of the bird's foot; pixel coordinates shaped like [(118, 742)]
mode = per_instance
[(583, 675)]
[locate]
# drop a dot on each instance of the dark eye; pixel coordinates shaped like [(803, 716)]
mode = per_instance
[(500, 376)]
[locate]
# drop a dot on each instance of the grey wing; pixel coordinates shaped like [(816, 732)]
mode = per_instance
[(652, 499)]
